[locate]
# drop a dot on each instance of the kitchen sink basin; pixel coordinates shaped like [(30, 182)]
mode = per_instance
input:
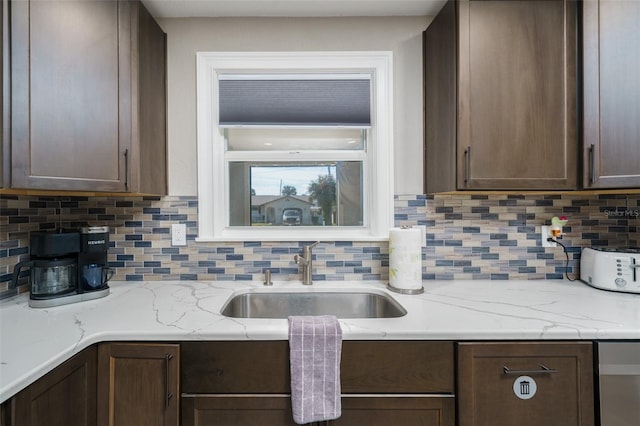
[(351, 304)]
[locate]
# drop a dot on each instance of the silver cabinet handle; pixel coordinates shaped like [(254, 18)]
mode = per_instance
[(126, 168), (592, 164), (168, 395), (467, 172), (543, 370)]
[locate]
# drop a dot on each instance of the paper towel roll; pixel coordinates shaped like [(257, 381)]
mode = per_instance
[(405, 258)]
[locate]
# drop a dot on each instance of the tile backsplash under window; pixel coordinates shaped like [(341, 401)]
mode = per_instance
[(468, 237)]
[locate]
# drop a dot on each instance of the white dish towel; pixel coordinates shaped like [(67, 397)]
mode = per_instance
[(315, 347)]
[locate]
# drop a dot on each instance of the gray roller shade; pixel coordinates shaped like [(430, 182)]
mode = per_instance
[(295, 102)]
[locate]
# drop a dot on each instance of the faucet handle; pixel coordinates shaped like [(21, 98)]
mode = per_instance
[(306, 250), (267, 277), (312, 245)]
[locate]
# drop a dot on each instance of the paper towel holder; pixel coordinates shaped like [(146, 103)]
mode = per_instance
[(406, 290)]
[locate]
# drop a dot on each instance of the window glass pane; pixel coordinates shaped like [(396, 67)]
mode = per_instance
[(252, 139), (305, 194)]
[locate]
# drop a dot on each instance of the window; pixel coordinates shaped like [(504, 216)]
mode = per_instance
[(294, 146)]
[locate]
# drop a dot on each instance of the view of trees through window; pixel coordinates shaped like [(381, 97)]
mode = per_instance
[(303, 194), (311, 194)]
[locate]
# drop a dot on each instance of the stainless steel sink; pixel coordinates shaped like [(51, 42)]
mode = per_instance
[(352, 304)]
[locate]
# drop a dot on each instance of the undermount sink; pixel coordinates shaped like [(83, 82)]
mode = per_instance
[(351, 304)]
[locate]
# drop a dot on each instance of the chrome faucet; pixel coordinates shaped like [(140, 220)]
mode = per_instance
[(306, 261)]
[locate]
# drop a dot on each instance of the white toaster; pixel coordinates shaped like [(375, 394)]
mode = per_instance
[(611, 269)]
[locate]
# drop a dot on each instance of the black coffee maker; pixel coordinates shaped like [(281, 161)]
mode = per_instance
[(67, 266)]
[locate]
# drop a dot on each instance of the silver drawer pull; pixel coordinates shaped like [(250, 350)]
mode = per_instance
[(167, 394), (467, 173), (543, 370)]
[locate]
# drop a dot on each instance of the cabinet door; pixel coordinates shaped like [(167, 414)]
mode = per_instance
[(249, 383), (69, 130), (275, 410), (517, 95), (393, 410), (237, 410), (440, 101), (138, 384), (65, 396), (611, 33), (148, 172), (525, 384), (5, 163)]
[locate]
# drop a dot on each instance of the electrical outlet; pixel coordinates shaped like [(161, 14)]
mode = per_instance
[(544, 234), (178, 234)]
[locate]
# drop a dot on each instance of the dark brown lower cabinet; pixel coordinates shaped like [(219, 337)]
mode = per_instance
[(383, 383), (138, 384), (65, 396), (525, 384), (248, 383)]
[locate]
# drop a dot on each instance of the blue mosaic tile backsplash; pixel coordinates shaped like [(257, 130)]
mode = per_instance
[(468, 236)]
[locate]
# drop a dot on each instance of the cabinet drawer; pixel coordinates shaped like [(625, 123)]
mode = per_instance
[(235, 367), (525, 383), (366, 367), (397, 366)]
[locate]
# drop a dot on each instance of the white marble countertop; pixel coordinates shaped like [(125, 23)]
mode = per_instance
[(34, 341)]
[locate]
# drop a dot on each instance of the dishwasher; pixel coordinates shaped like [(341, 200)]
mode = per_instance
[(619, 383)]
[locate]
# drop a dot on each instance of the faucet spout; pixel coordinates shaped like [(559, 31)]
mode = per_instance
[(306, 261)]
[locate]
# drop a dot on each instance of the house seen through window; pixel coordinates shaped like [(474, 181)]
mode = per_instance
[(298, 193)]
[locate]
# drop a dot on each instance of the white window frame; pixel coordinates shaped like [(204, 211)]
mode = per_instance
[(212, 173)]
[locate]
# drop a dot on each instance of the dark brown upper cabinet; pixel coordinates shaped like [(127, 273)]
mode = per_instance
[(611, 52), (5, 164), (500, 96), (88, 97)]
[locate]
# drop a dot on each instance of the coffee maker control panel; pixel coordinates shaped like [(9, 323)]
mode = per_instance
[(94, 239)]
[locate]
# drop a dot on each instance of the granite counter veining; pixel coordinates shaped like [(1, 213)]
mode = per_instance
[(34, 341)]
